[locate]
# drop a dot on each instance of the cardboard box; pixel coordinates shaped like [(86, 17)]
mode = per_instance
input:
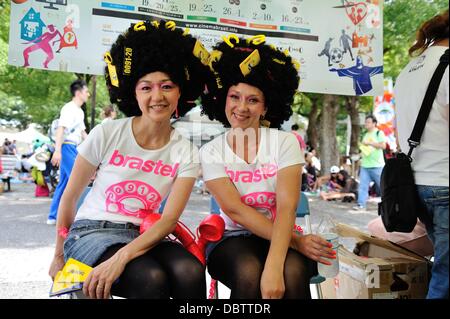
[(381, 270)]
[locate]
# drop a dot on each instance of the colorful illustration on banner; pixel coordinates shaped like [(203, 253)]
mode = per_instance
[(69, 38), (384, 111), (42, 43), (345, 41), (31, 26), (373, 20), (356, 11), (359, 41), (327, 51), (361, 75)]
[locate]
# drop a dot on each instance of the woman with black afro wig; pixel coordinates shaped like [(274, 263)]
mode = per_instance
[(254, 173), (153, 74)]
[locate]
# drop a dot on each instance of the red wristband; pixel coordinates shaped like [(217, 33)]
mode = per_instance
[(63, 232)]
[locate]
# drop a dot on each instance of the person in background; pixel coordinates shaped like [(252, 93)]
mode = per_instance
[(330, 180), (416, 241), (70, 133), (301, 141), (372, 160), (345, 188), (431, 158), (315, 160), (109, 113), (309, 175), (13, 147)]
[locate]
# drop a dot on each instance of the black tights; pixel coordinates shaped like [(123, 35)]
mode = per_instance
[(238, 262), (167, 270)]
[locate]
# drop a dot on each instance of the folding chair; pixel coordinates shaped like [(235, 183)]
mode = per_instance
[(303, 211)]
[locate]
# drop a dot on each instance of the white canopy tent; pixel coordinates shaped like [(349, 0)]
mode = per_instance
[(25, 138)]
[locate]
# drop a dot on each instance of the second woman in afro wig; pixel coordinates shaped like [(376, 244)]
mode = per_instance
[(254, 173), (153, 74)]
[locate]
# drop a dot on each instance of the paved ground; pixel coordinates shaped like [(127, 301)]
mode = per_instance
[(27, 242)]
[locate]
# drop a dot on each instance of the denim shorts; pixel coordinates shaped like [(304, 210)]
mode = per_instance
[(88, 240), (227, 234)]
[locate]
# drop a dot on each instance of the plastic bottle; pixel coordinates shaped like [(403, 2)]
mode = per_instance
[(327, 230)]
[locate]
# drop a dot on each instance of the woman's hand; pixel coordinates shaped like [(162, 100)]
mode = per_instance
[(272, 283), (314, 247), (98, 283), (56, 265)]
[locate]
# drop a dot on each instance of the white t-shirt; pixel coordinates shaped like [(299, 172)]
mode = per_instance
[(431, 157), (131, 178), (256, 182), (72, 118)]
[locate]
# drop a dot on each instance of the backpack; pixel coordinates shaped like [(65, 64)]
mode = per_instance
[(400, 204)]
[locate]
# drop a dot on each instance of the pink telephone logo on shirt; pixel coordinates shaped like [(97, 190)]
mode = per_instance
[(265, 200), (132, 198), (265, 172)]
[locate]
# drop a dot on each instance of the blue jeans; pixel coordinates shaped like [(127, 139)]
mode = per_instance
[(367, 175), (68, 156), (436, 200)]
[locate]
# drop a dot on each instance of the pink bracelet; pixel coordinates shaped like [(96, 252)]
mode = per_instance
[(63, 232)]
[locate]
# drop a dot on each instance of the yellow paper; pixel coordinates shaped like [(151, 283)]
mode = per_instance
[(249, 63), (70, 278), (365, 149)]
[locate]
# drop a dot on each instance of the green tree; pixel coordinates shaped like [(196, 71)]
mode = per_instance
[(402, 18), (40, 93)]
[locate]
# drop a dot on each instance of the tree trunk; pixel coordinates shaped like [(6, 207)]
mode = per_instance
[(313, 127), (353, 110), (329, 151), (93, 100)]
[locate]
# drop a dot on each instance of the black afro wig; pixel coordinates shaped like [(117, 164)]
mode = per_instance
[(275, 75), (148, 47)]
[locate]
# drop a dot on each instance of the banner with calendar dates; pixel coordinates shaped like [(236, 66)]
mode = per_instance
[(339, 43)]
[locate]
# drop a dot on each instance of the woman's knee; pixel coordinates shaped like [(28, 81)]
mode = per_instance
[(297, 274), (189, 270), (143, 281)]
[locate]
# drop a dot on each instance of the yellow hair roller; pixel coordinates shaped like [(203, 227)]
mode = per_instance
[(286, 52), (155, 24), (250, 62), (111, 70), (186, 32), (171, 25), (257, 39), (214, 57), (227, 40), (201, 53), (140, 26), (296, 64), (279, 61), (218, 80)]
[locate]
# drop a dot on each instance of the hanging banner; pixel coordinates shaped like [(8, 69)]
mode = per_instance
[(338, 43), (384, 111)]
